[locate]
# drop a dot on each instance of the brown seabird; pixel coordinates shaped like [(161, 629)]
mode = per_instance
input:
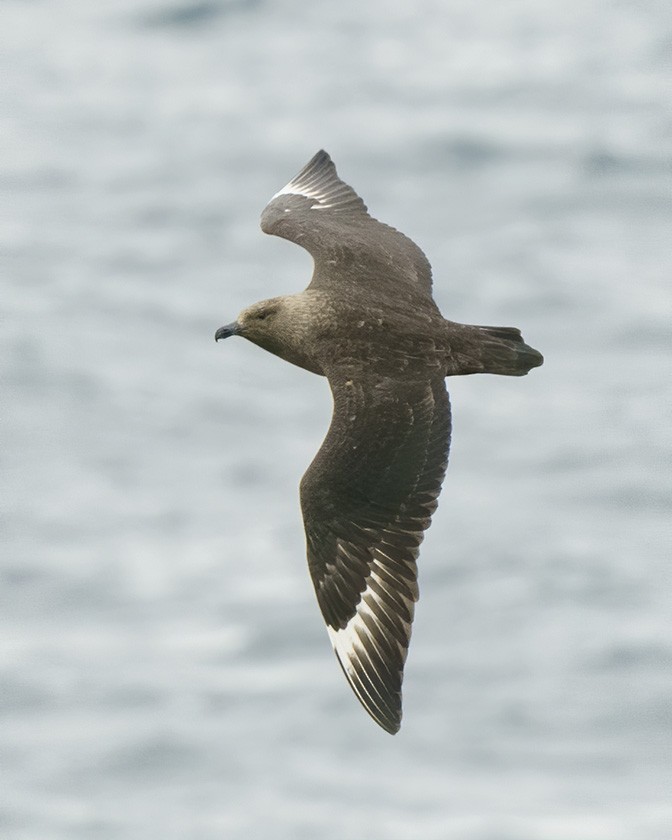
[(369, 323)]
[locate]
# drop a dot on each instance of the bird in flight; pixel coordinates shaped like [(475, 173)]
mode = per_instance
[(368, 323)]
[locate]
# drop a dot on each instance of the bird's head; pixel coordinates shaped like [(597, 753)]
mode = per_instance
[(280, 325), (256, 323)]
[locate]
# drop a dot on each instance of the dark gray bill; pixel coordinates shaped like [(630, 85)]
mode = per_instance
[(225, 332)]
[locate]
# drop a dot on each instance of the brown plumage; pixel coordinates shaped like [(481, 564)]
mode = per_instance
[(368, 322)]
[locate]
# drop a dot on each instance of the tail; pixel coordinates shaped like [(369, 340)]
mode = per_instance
[(504, 352)]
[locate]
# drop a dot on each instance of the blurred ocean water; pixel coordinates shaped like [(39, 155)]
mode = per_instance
[(164, 671)]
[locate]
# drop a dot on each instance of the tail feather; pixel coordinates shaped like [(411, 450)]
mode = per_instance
[(504, 352)]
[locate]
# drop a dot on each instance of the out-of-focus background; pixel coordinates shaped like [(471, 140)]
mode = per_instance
[(164, 671)]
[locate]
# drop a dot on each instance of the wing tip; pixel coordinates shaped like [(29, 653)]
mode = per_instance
[(322, 156), (388, 718), (319, 181), (391, 727), (320, 161)]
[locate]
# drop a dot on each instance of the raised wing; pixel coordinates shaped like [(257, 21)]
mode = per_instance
[(326, 217), (367, 499)]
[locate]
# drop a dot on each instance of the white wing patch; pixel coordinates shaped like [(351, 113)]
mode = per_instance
[(296, 188), (360, 654)]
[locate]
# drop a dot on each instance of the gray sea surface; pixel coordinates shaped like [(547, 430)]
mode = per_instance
[(164, 670)]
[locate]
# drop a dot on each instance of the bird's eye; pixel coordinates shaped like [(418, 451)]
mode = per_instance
[(261, 316)]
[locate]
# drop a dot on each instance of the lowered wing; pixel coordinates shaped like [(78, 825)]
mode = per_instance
[(367, 499)]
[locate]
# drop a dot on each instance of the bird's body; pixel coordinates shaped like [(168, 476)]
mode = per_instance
[(368, 322)]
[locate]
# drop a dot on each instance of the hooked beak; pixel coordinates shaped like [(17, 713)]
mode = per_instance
[(228, 330)]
